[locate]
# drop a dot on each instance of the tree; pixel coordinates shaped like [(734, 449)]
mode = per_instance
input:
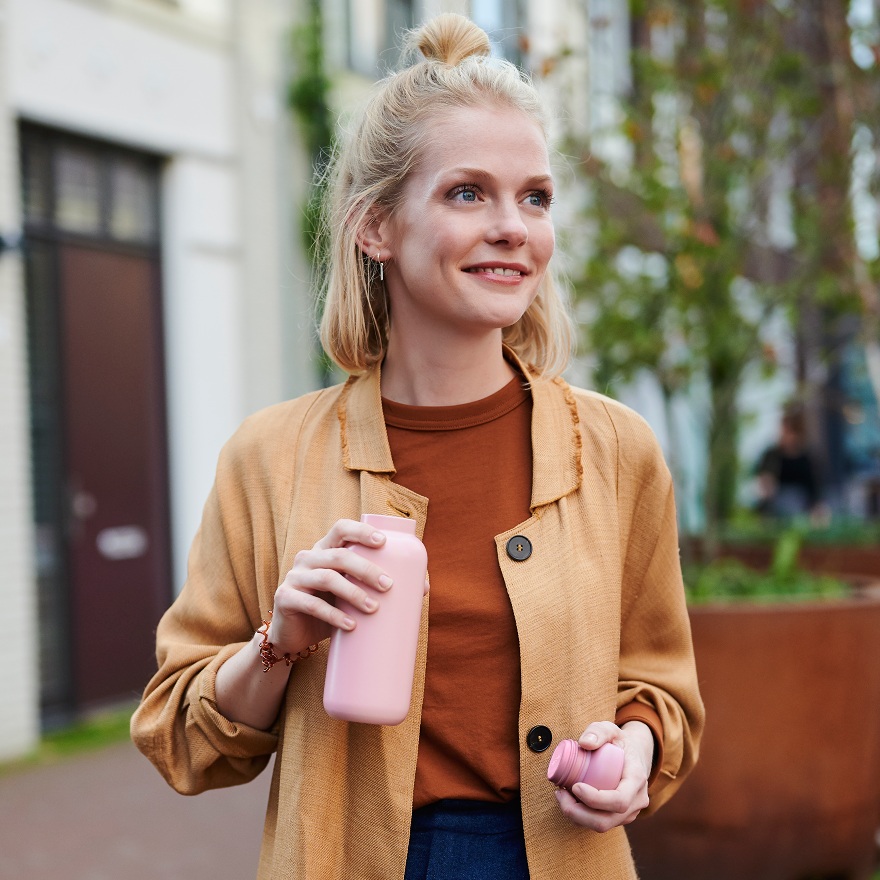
[(731, 205)]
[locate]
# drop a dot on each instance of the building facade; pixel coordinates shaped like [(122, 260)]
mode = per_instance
[(152, 294)]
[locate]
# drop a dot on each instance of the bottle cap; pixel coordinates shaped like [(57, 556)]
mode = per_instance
[(601, 768), (567, 763)]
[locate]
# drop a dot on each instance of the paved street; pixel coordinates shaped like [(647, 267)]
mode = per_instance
[(108, 815)]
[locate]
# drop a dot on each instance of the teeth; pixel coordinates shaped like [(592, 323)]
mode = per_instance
[(495, 270)]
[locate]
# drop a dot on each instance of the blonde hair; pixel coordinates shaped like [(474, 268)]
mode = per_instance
[(367, 175)]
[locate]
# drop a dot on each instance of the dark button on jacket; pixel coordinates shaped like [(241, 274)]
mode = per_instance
[(538, 739), (519, 548)]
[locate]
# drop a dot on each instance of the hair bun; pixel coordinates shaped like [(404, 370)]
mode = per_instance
[(450, 38)]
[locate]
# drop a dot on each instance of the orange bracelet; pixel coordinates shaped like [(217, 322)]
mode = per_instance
[(267, 651)]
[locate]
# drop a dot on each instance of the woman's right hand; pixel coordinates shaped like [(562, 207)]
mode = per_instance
[(305, 612)]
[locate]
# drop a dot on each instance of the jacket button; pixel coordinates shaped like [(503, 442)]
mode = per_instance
[(538, 739), (519, 548)]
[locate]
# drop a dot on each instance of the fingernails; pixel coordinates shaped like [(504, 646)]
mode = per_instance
[(385, 582), (347, 623), (370, 604), (591, 738), (377, 537)]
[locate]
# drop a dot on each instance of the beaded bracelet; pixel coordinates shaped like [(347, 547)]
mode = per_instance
[(267, 651)]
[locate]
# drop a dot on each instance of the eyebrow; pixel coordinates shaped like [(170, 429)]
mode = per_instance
[(538, 180)]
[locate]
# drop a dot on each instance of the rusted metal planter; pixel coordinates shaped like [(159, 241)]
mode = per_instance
[(857, 560), (788, 782)]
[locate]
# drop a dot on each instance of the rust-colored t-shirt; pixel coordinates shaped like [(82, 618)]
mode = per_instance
[(474, 464)]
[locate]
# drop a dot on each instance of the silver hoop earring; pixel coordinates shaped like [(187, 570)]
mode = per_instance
[(381, 265)]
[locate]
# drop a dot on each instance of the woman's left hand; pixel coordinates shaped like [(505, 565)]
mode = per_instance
[(604, 810)]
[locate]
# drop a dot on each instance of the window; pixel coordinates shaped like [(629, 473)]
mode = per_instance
[(88, 189), (78, 199)]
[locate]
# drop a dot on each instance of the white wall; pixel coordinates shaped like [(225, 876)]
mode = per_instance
[(18, 655), (147, 84), (203, 339), (275, 175)]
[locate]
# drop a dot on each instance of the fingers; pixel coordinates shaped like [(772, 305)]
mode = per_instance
[(326, 583), (350, 531), (290, 603), (581, 809), (630, 795), (599, 733), (326, 570), (580, 814), (317, 586)]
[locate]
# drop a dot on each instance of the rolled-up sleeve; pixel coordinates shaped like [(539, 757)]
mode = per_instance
[(233, 561), (657, 667)]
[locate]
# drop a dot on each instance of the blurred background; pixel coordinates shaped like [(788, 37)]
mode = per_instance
[(717, 165)]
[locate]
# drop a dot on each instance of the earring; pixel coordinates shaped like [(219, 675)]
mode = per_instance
[(381, 266)]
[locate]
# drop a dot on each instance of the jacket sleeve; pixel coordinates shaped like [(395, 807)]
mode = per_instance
[(233, 561), (656, 666)]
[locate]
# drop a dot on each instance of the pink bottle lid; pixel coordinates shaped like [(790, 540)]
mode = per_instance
[(601, 768), (562, 763)]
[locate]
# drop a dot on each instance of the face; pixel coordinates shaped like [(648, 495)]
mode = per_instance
[(470, 243)]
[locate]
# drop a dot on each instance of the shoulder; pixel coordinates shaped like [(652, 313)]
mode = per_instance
[(603, 413), (637, 447), (272, 435), (618, 415)]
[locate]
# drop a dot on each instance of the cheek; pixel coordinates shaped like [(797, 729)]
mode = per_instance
[(436, 241), (545, 243)]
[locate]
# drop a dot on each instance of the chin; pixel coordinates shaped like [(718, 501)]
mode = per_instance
[(497, 320)]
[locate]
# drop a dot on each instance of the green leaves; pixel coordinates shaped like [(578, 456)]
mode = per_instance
[(733, 207), (729, 580)]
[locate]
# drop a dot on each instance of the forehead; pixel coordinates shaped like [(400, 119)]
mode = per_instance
[(499, 139)]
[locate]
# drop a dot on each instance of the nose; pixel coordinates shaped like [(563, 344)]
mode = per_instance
[(508, 226)]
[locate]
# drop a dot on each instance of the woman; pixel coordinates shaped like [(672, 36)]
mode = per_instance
[(556, 607)]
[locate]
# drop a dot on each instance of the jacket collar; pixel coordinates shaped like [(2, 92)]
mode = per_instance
[(556, 433)]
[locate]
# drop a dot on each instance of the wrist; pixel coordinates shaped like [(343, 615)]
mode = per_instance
[(641, 735), (269, 657)]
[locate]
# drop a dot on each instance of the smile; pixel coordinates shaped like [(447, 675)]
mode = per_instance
[(495, 271)]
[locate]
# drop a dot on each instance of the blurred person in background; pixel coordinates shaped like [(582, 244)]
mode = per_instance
[(440, 305), (787, 476)]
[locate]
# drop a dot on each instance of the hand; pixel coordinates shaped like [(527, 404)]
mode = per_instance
[(304, 611), (604, 810)]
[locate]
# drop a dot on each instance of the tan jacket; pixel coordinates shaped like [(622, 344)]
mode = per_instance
[(599, 610)]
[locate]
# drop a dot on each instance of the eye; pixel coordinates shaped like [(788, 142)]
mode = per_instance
[(540, 198), (467, 192)]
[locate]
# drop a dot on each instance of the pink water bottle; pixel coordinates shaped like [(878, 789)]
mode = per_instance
[(601, 768), (370, 668)]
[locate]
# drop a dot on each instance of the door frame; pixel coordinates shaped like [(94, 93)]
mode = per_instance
[(43, 232)]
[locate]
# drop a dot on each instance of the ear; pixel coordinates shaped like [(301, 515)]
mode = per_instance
[(375, 237)]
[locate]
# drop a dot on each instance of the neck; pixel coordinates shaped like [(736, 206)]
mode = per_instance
[(458, 371)]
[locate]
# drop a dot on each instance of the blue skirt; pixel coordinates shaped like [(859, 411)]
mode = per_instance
[(467, 840)]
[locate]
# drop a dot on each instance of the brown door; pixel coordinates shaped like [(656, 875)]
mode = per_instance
[(98, 416), (117, 545)]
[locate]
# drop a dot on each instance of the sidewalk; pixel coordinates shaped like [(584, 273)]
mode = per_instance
[(108, 815)]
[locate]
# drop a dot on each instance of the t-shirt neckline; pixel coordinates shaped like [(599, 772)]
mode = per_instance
[(457, 416)]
